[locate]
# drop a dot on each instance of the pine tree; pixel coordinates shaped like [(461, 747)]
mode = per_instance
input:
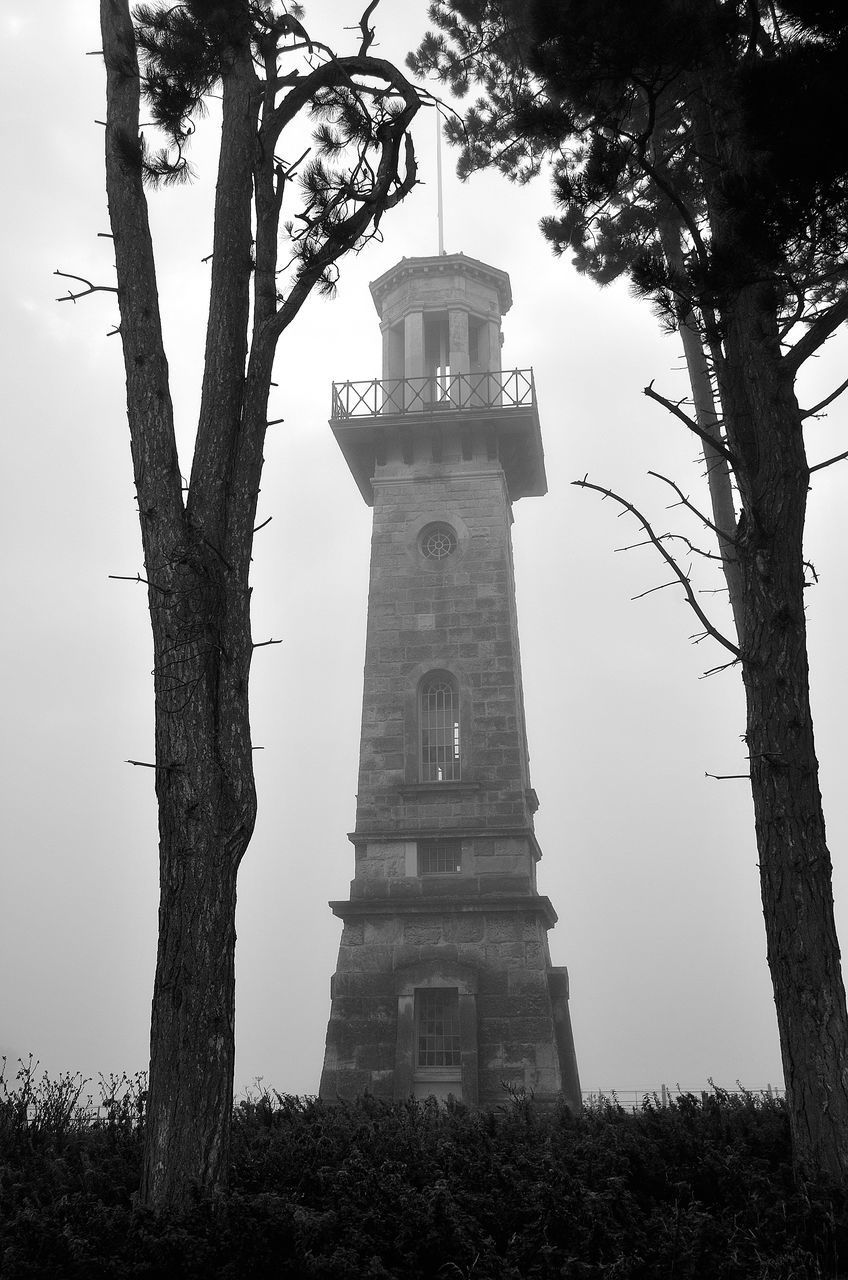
[(692, 149), (269, 73)]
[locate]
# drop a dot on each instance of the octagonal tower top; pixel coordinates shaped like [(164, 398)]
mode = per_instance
[(442, 378), (451, 279)]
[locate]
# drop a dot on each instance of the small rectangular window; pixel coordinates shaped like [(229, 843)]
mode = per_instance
[(437, 1025), (439, 857)]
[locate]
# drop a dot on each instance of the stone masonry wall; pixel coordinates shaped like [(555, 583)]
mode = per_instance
[(516, 1044), (457, 614)]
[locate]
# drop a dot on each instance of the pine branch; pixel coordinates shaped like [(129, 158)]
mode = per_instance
[(818, 332)]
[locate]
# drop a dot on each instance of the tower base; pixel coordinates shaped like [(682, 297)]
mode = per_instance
[(442, 998)]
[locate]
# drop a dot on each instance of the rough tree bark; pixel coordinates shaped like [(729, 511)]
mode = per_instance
[(763, 427), (197, 552), (764, 430)]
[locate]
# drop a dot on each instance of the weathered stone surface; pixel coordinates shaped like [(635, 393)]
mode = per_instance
[(466, 931), (465, 928)]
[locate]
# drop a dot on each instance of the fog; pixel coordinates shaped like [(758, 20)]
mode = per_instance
[(651, 864)]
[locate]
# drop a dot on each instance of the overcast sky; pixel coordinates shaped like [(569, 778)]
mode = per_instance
[(650, 865)]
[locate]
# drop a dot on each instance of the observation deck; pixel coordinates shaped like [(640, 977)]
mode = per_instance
[(499, 406)]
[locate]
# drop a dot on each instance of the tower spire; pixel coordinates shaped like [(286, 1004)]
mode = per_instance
[(441, 212)]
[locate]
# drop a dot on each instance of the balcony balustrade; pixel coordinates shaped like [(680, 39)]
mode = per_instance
[(511, 389)]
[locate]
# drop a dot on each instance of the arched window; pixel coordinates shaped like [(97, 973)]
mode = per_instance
[(438, 714)]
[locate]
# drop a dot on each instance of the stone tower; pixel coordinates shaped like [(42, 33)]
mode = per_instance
[(444, 983)]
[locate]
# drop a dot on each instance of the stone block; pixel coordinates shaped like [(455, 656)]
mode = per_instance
[(522, 981), (533, 928), (535, 1030), (405, 954), (348, 1083), (535, 955), (519, 884), (495, 1006), (437, 951), (493, 982), (383, 930), (465, 928), (494, 1032), (378, 1056), (420, 932), (369, 958), (503, 928), (374, 984), (504, 955), (519, 1052), (532, 1004)]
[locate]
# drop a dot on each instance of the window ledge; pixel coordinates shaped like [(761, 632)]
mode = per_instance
[(437, 788)]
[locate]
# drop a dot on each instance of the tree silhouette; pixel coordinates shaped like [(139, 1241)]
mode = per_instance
[(270, 74), (691, 149)]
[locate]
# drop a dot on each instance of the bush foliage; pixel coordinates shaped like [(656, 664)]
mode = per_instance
[(701, 1188)]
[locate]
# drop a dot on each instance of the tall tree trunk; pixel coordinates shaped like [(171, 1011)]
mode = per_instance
[(703, 398), (197, 553), (205, 786), (207, 808), (199, 608), (764, 431)]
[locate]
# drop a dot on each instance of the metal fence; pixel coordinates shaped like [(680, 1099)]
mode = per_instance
[(511, 389)]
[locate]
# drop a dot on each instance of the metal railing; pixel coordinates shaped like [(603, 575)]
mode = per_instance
[(511, 389)]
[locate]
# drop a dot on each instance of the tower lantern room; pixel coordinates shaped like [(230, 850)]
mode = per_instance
[(440, 320), (440, 316), (444, 983)]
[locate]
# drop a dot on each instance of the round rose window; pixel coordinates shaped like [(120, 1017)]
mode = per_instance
[(438, 541)]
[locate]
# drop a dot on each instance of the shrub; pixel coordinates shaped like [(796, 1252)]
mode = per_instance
[(699, 1190)]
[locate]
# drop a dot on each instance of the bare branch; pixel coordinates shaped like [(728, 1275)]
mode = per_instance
[(263, 524), (263, 643), (367, 32), (714, 671), (713, 441), (728, 537), (651, 590), (120, 577), (698, 551), (724, 777), (92, 288), (822, 404), (670, 561), (675, 537), (829, 462)]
